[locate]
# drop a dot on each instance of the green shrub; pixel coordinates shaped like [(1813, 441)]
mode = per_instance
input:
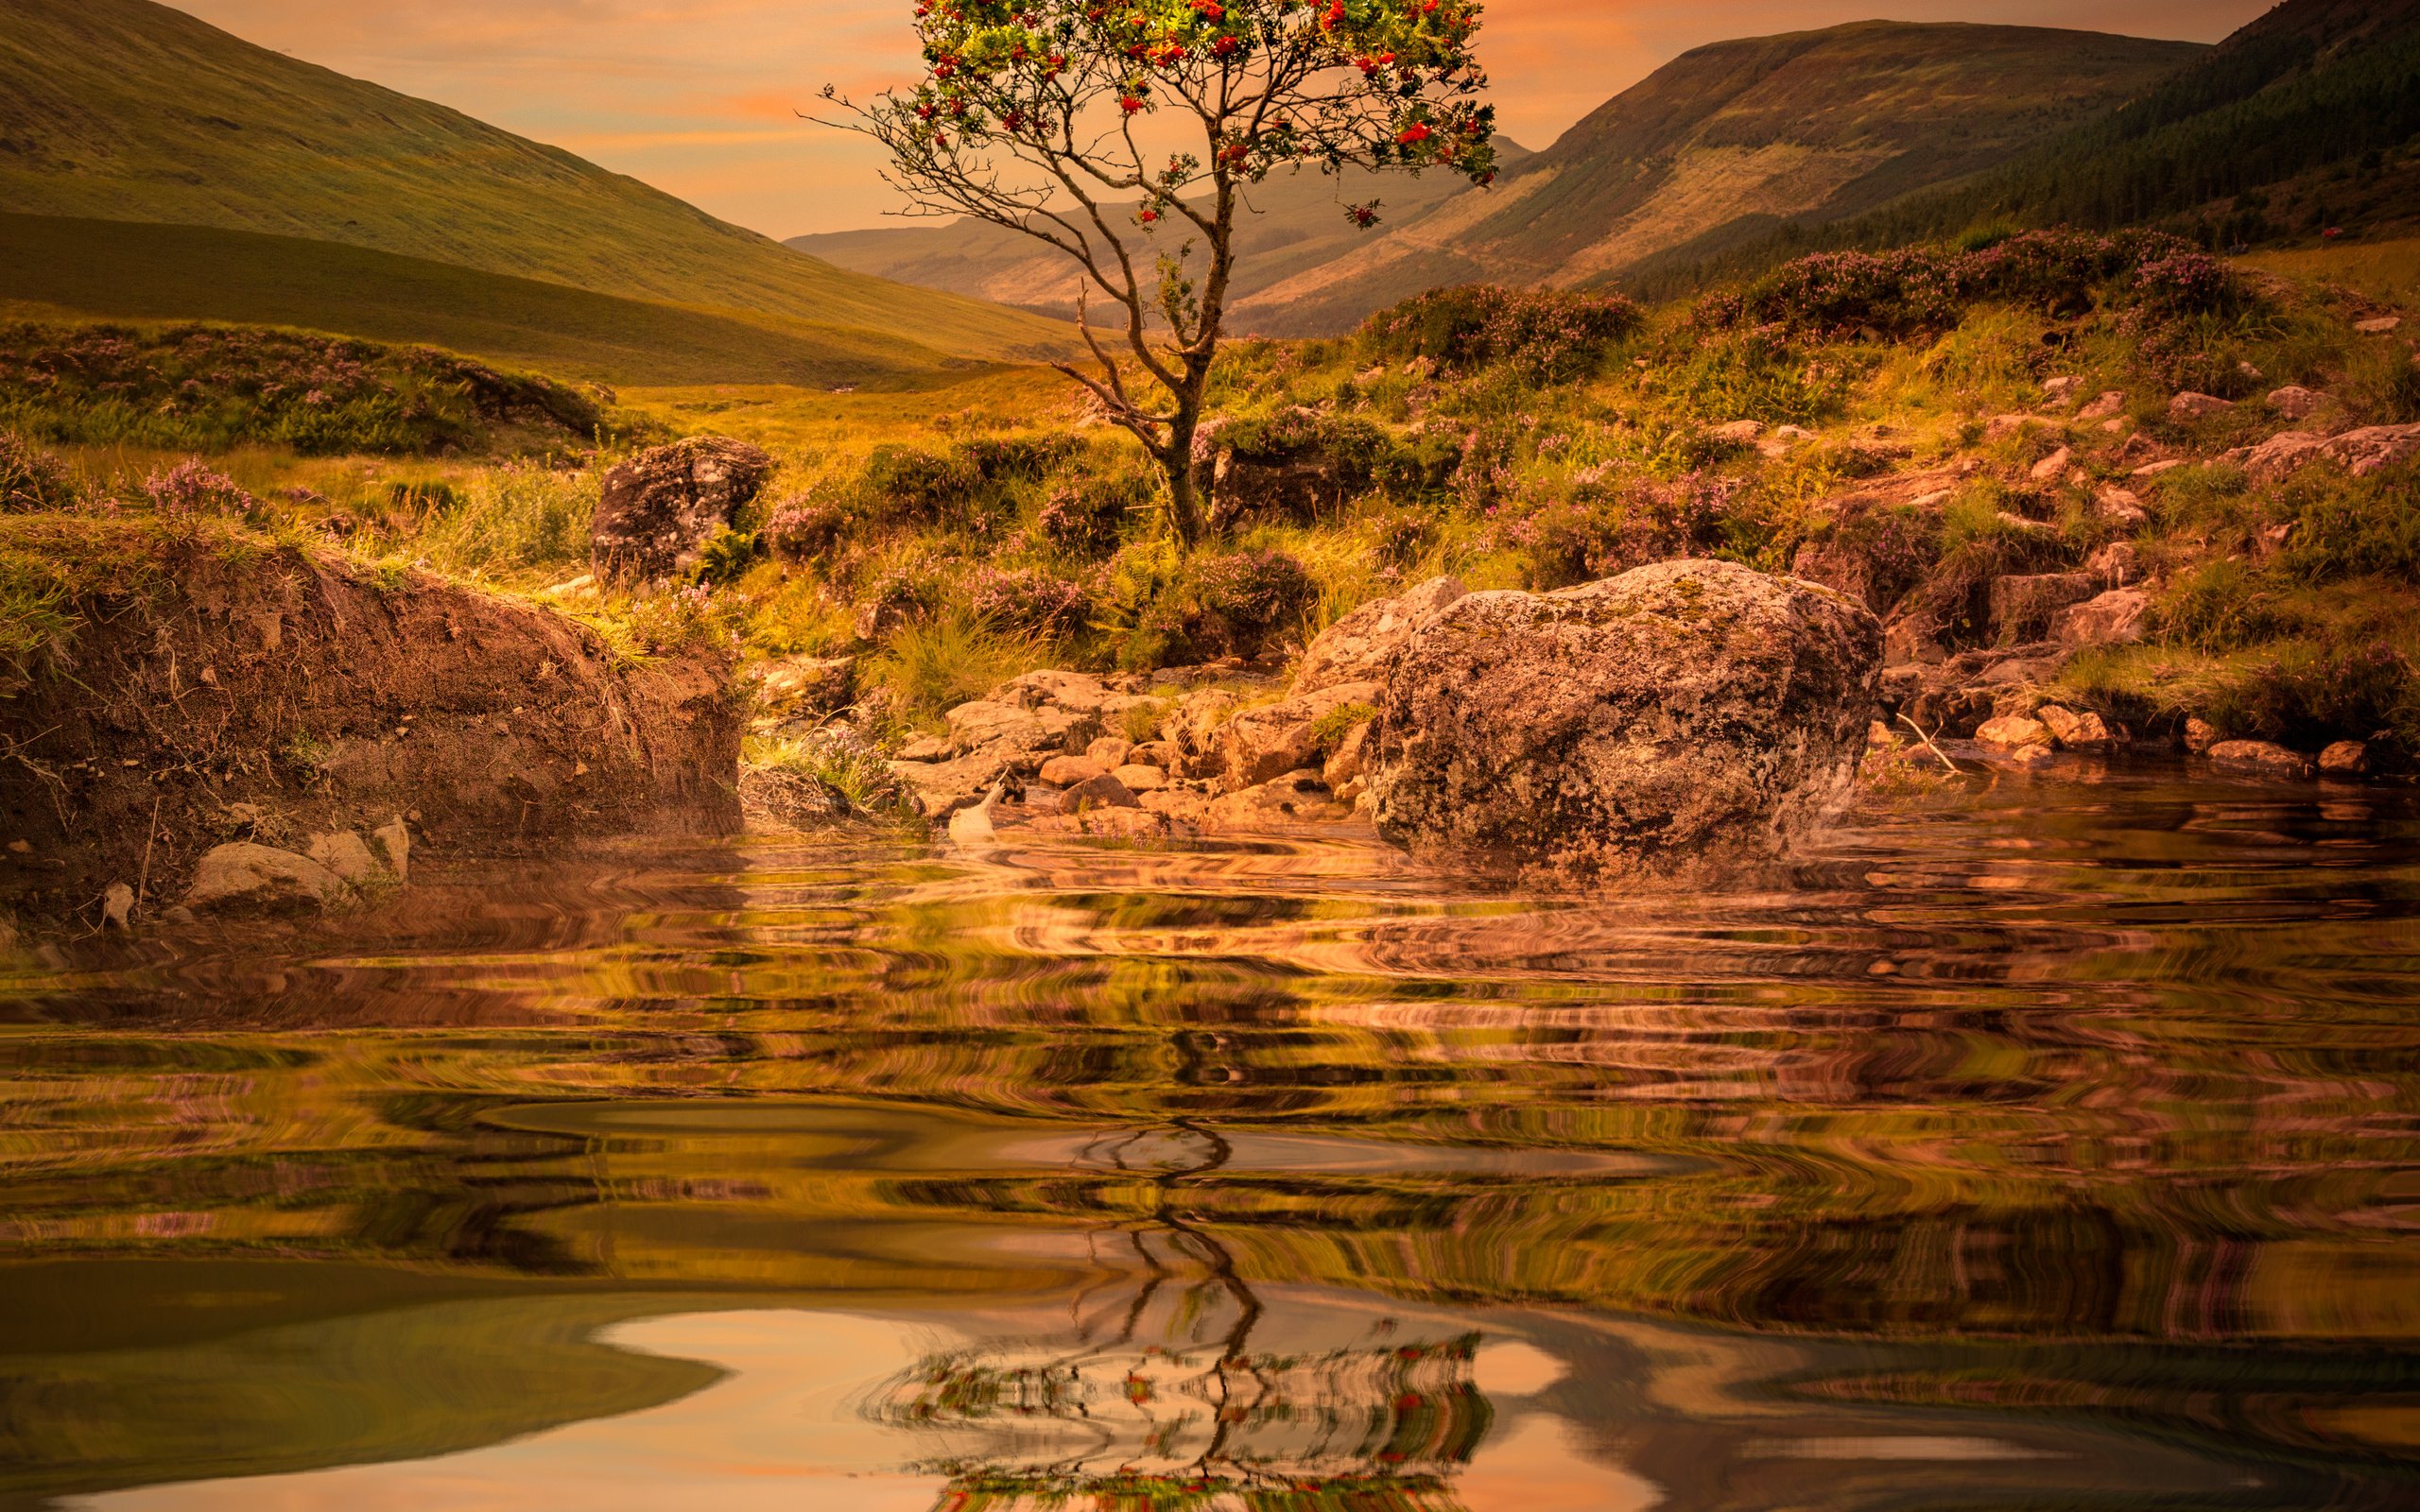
[(933, 666), (32, 479), (2347, 528)]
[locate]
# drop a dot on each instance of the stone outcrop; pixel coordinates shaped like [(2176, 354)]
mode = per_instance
[(663, 504), (1269, 740), (1684, 717), (2359, 452), (1008, 737), (1358, 647), (2114, 618)]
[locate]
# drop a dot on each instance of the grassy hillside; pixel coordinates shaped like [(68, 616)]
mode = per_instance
[(125, 272), (1725, 141), (2303, 119), (1296, 222), (127, 111)]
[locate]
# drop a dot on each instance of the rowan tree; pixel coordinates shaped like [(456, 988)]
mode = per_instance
[(1128, 137)]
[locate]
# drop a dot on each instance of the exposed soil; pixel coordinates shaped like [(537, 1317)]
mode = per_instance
[(216, 687)]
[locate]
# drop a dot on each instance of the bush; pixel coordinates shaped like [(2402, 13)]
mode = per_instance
[(32, 479), (934, 665), (1029, 599), (1552, 336), (805, 526), (1085, 518), (192, 487), (514, 517), (1169, 611)]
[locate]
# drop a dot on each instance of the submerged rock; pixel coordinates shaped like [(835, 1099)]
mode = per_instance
[(2261, 756), (1684, 717)]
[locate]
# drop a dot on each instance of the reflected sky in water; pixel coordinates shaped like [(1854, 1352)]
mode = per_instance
[(2048, 1145)]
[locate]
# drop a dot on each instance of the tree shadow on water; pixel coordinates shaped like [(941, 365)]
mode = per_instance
[(1162, 1395)]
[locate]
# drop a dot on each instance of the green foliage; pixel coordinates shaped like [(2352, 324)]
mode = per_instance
[(932, 665), (1163, 610), (2347, 528), (33, 479), (846, 764), (513, 518)]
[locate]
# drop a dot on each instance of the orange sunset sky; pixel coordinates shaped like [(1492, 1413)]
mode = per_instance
[(697, 96)]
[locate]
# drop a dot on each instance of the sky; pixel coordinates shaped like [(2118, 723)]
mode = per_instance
[(699, 96)]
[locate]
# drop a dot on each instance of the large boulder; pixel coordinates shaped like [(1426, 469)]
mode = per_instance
[(663, 504), (1680, 719)]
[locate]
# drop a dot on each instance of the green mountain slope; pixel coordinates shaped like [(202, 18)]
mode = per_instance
[(126, 270), (1727, 139), (2317, 103), (1295, 222), (127, 111)]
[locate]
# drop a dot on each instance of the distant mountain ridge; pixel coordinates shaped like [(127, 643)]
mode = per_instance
[(1292, 222), (129, 110), (1728, 140), (2315, 105)]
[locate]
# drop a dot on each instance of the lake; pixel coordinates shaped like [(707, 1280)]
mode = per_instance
[(2054, 1143)]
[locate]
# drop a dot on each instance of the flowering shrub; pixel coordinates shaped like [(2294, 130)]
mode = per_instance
[(1084, 517), (192, 488), (805, 526), (1028, 598), (1553, 335), (32, 479)]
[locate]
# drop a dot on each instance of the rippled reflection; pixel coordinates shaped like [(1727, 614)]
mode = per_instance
[(2052, 1147)]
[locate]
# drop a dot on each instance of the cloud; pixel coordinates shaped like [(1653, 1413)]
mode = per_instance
[(688, 93)]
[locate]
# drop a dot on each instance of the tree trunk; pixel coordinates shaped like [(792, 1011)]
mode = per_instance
[(1185, 495)]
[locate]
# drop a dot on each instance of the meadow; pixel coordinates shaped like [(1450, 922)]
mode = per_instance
[(953, 534)]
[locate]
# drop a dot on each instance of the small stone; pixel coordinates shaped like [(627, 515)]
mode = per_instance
[(2261, 755), (2380, 326), (117, 906), (255, 877), (1101, 792), (2190, 407), (2294, 401), (2152, 470), (927, 749), (21, 847), (2054, 466), (1738, 433), (1140, 780), (2200, 735), (394, 838), (1111, 751), (1067, 771), (2061, 388), (2072, 731), (2108, 406), (2346, 758), (347, 856), (2125, 505), (2013, 732)]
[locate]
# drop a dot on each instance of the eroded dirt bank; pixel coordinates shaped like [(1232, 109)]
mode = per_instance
[(197, 685)]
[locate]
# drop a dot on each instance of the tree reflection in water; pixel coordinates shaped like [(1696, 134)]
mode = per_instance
[(1158, 1398)]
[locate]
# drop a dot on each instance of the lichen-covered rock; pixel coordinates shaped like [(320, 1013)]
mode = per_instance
[(2346, 758), (1356, 647), (1680, 719), (664, 504)]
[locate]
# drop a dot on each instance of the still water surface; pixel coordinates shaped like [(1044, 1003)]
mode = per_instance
[(2049, 1146)]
